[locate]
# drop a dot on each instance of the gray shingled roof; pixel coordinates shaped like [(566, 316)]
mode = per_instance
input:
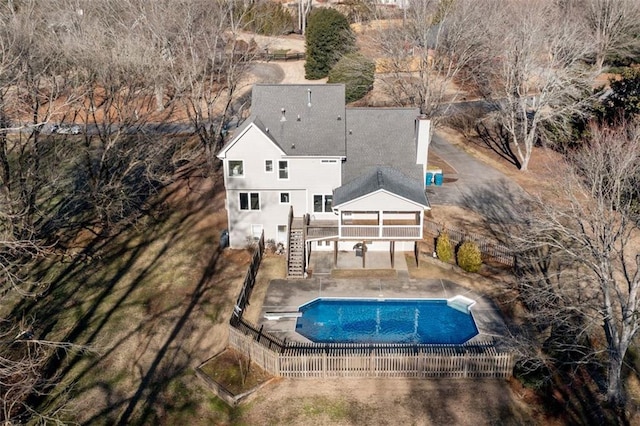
[(255, 120), (381, 137), (385, 178), (318, 129)]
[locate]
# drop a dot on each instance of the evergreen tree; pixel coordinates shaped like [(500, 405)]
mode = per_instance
[(624, 100), (356, 72), (328, 38)]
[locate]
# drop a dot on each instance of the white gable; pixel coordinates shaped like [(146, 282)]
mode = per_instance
[(252, 142), (381, 199)]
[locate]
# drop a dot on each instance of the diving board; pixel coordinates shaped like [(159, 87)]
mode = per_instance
[(461, 303), (273, 316)]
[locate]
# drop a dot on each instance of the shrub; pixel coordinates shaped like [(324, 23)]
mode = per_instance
[(469, 257), (327, 38), (624, 100), (444, 249), (356, 72)]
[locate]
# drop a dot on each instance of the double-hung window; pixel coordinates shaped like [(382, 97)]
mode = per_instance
[(283, 169), (249, 201), (236, 168), (322, 203), (268, 166)]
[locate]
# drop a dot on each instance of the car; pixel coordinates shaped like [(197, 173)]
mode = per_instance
[(66, 129)]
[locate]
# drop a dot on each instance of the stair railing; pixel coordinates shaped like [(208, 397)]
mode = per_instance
[(289, 223)]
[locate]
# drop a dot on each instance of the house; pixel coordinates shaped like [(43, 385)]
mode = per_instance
[(401, 4), (316, 175)]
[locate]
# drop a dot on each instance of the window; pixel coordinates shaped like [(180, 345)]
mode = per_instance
[(249, 201), (256, 231), (268, 166), (284, 198), (322, 203), (328, 201), (236, 168), (283, 169), (282, 233)]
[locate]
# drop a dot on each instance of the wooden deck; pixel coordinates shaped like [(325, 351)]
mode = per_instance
[(329, 229), (322, 229)]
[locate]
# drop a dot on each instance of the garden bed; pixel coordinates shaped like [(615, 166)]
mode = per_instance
[(232, 376)]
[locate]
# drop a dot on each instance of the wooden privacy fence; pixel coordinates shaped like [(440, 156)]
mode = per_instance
[(249, 279), (491, 251), (357, 360)]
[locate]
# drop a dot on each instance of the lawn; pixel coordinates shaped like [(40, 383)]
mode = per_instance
[(150, 303), (153, 302)]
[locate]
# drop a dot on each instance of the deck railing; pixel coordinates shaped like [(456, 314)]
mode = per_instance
[(322, 229), (289, 223), (381, 231), (327, 229)]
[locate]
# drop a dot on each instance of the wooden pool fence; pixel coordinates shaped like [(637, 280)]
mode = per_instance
[(317, 360), (313, 360)]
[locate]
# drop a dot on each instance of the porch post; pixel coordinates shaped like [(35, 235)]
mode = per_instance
[(335, 253), (392, 252), (364, 255)]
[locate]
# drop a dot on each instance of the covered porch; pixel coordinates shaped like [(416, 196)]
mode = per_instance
[(368, 224), (359, 230), (372, 213)]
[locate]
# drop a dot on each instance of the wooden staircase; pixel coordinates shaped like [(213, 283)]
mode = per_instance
[(295, 254)]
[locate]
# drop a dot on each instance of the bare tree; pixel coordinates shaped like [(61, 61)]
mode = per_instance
[(31, 78), (304, 7), (23, 359), (424, 58), (210, 64), (580, 261), (536, 72), (614, 26), (357, 11), (118, 66)]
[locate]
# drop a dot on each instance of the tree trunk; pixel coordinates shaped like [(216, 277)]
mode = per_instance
[(159, 95), (614, 385)]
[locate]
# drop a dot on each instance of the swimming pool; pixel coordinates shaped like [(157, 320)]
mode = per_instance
[(431, 321)]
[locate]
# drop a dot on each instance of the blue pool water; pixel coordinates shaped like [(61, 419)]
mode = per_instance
[(384, 321)]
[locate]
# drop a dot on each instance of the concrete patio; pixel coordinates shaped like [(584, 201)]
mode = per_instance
[(321, 262), (289, 295)]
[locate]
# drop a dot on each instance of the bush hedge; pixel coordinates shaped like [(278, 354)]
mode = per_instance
[(469, 257), (356, 72), (444, 249)]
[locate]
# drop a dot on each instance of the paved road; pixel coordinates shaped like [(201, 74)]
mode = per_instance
[(475, 186), (267, 72)]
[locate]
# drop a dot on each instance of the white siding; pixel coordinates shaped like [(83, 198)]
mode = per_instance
[(307, 176), (253, 149), (271, 214), (381, 200)]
